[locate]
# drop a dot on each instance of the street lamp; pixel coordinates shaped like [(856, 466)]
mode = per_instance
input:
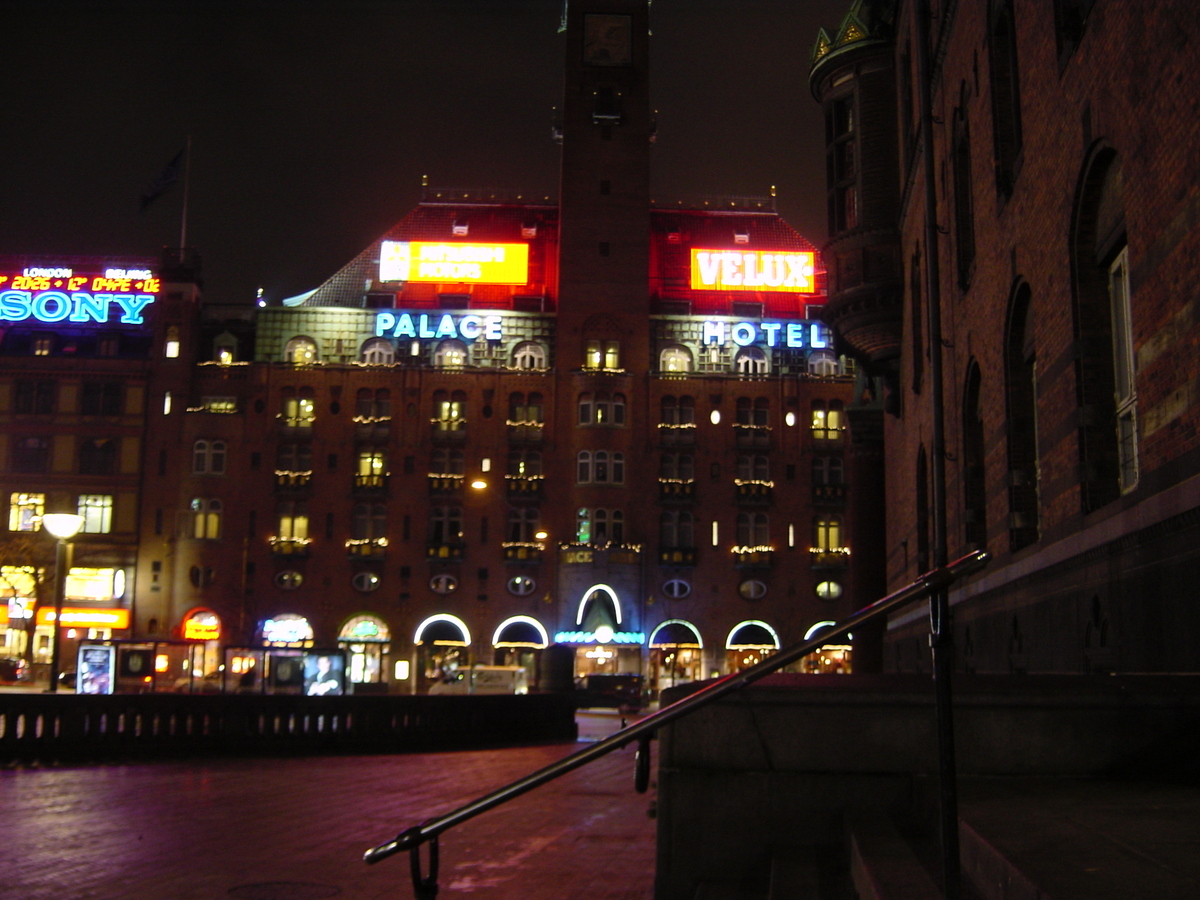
[(63, 526)]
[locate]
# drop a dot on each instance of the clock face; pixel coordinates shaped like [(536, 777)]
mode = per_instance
[(607, 40)]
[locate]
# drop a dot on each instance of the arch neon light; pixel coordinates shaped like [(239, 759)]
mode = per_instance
[(588, 596), (688, 625), (817, 626), (444, 617), (729, 645), (525, 620)]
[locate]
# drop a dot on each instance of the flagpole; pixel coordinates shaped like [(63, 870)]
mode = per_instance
[(187, 171)]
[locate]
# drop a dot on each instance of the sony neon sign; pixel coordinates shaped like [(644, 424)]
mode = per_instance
[(53, 294), (428, 261), (438, 327), (812, 335), (753, 270)]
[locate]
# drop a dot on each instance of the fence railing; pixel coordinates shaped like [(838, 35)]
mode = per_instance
[(424, 879)]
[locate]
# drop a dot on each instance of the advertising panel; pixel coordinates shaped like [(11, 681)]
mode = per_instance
[(445, 262), (753, 270), (324, 674), (51, 294), (96, 669)]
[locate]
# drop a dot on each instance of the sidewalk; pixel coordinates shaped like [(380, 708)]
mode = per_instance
[(296, 829)]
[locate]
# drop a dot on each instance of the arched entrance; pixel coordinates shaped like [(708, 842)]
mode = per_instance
[(749, 643), (834, 658), (443, 645), (519, 641), (367, 642), (602, 645), (676, 654)]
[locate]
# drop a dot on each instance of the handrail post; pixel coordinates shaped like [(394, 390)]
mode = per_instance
[(425, 887)]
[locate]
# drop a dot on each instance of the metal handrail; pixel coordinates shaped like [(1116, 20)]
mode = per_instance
[(641, 731)]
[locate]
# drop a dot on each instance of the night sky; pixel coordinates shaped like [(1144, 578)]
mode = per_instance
[(313, 122)]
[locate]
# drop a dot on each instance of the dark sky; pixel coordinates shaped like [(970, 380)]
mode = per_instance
[(312, 122)]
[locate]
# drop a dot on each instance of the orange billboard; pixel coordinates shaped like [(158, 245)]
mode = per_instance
[(78, 617), (753, 270), (451, 262)]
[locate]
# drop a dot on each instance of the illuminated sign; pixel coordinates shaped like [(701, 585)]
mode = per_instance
[(287, 629), (593, 637), (61, 294), (202, 626), (85, 618), (813, 335), (438, 327), (753, 270), (454, 262)]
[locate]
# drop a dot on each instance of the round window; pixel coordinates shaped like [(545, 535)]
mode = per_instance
[(288, 580), (752, 590), (829, 590), (521, 585), (677, 588), (443, 584), (365, 581)]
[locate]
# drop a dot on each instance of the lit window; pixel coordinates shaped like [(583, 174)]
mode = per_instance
[(300, 351), (529, 355), (206, 518), (96, 510), (828, 533), (451, 354), (377, 352), (827, 419), (602, 355), (293, 521), (751, 361), (25, 511), (171, 346), (676, 359), (298, 412), (829, 590)]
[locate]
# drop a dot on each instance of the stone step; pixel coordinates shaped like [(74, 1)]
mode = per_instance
[(883, 865)]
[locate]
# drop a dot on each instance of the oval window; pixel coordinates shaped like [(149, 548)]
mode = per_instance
[(365, 581), (521, 585), (288, 580), (752, 590), (829, 590), (443, 584), (677, 588)]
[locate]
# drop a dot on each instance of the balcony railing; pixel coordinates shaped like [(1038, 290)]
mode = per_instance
[(370, 483), (524, 487), (286, 480), (437, 550), (290, 546), (522, 552), (677, 556), (754, 492), (830, 557), (829, 493), (525, 432), (752, 436), (425, 884), (753, 557), (442, 484), (367, 548), (671, 489), (372, 429), (670, 435)]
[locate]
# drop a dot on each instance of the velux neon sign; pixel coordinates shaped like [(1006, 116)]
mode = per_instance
[(59, 294), (753, 270)]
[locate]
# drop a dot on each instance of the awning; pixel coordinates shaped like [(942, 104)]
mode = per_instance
[(752, 636), (676, 633)]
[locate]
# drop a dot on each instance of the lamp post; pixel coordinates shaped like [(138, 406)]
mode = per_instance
[(63, 527)]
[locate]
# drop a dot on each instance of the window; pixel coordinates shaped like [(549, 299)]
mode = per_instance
[(445, 525), (827, 533), (751, 361), (524, 463), (525, 410), (449, 411), (822, 363), (827, 419), (1070, 20), (676, 588), (1020, 381), (43, 345), (96, 510), (98, 456), (675, 359), (752, 589), (521, 585), (451, 354), (677, 467), (225, 349), (208, 457), (300, 351), (34, 398), (753, 530), (371, 468), (601, 467), (826, 470), (377, 352), (601, 408), (1123, 370), (299, 411), (529, 355), (292, 516), (1006, 95), (677, 411), (964, 213), (522, 524), (676, 530), (171, 345), (206, 518), (101, 398), (295, 458), (25, 511), (372, 405), (829, 590), (368, 522), (753, 468), (754, 413), (446, 461), (599, 526), (842, 163), (30, 455), (602, 354)]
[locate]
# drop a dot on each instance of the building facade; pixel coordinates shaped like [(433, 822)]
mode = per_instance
[(1021, 175)]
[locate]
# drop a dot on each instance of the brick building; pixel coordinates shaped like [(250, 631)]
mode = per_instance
[(1061, 219)]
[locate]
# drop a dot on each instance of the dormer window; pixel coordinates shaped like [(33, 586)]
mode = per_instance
[(459, 229), (741, 237), (529, 231)]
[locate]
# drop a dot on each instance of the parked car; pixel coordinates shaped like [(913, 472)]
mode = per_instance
[(13, 669)]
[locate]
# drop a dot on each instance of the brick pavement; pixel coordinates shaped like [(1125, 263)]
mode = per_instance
[(296, 829)]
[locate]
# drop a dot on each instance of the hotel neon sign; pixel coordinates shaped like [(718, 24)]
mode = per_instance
[(753, 270), (427, 261), (54, 294)]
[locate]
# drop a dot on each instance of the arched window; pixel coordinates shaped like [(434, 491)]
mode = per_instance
[(298, 408), (522, 524), (677, 467), (676, 530), (827, 419), (293, 520), (208, 457), (1006, 94), (964, 212), (922, 517), (827, 470), (753, 530), (529, 355), (300, 351), (751, 361), (583, 467), (447, 461), (974, 475), (524, 410), (753, 468), (675, 359), (822, 363), (377, 352), (451, 354), (602, 408), (372, 405), (1020, 382), (449, 411), (206, 518)]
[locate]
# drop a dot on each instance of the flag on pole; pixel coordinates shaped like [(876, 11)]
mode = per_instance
[(167, 177)]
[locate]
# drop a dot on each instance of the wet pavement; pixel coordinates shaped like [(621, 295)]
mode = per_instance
[(296, 829)]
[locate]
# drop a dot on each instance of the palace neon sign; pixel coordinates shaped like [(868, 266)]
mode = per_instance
[(812, 335), (426, 261), (753, 270), (438, 327)]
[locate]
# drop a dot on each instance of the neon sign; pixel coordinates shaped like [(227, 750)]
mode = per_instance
[(425, 261), (592, 637), (424, 325), (813, 335), (753, 270), (76, 307)]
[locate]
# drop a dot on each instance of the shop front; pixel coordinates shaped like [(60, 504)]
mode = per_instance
[(519, 641), (202, 629), (443, 649), (676, 655), (602, 642), (748, 644), (366, 641), (285, 639), (834, 658)]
